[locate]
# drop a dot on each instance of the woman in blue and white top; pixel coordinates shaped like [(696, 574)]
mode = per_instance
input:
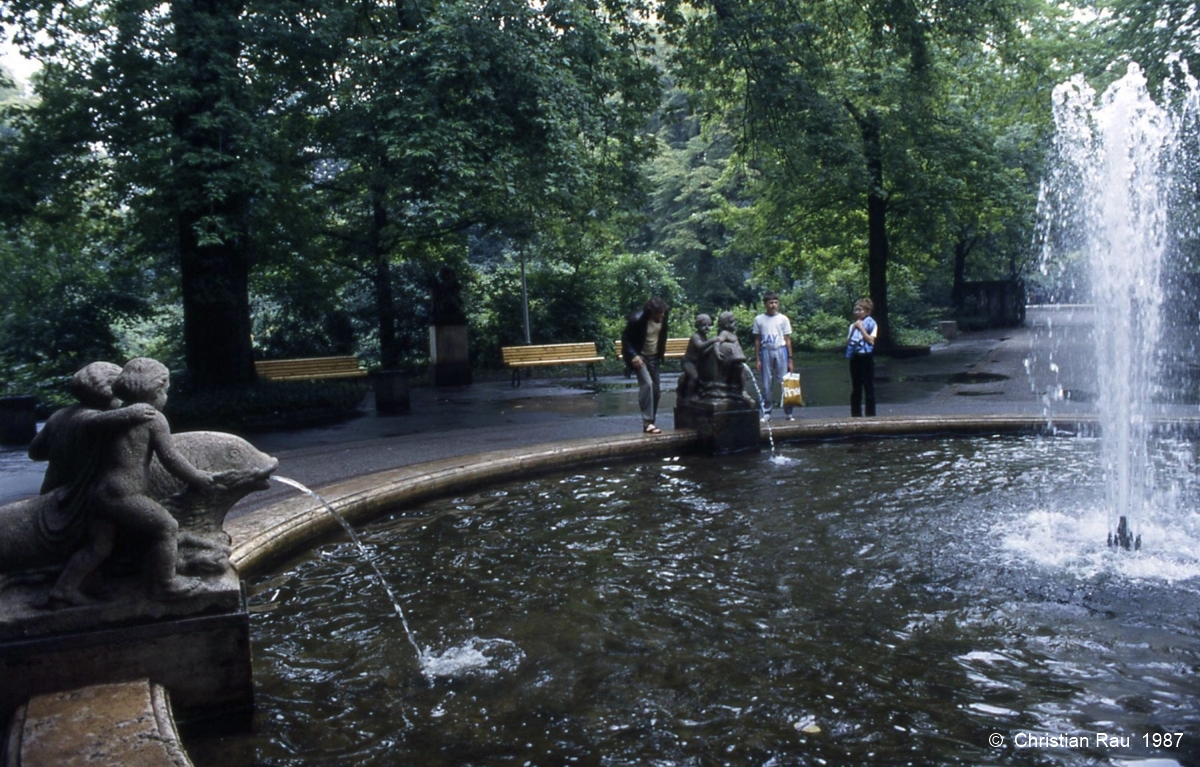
[(860, 345)]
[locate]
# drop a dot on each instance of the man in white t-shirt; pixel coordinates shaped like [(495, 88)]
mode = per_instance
[(773, 352)]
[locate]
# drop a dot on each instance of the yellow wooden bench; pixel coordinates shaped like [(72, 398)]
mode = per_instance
[(675, 351), (309, 368), (676, 347), (528, 357)]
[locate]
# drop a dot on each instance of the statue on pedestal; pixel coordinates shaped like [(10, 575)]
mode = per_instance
[(711, 396), (449, 357), (445, 294), (714, 369)]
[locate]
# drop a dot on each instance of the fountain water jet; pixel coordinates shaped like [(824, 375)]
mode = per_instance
[(1109, 197)]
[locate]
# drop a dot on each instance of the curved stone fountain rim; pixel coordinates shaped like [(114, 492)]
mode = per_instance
[(267, 535)]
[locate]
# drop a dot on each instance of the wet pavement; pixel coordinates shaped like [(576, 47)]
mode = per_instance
[(1015, 371)]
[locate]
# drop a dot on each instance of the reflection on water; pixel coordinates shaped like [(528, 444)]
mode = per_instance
[(884, 602)]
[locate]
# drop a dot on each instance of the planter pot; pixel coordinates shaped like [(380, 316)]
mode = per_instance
[(391, 392), (18, 424)]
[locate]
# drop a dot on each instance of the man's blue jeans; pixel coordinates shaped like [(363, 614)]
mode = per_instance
[(649, 390), (774, 368)]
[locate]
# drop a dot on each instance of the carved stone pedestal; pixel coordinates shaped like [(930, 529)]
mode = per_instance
[(725, 426), (18, 421), (196, 647), (450, 363)]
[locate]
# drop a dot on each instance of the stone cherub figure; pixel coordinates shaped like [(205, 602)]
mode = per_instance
[(714, 368), (63, 440), (699, 348), (731, 359), (121, 488), (68, 441), (116, 496)]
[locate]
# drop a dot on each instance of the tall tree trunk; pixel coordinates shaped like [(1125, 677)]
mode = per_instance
[(385, 302), (216, 310), (211, 201), (961, 249), (877, 239)]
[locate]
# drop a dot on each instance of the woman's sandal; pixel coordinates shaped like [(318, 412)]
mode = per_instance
[(652, 429)]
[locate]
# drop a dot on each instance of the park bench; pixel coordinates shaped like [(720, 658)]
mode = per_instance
[(676, 347), (528, 357), (309, 368)]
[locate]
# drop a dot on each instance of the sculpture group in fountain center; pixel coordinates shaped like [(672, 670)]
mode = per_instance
[(129, 519), (714, 369), (712, 396)]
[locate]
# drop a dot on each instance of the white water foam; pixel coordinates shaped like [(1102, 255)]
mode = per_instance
[(1076, 542), (474, 656)]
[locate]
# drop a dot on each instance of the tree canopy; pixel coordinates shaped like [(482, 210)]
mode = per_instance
[(220, 179)]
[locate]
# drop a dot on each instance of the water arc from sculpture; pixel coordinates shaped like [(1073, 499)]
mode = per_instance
[(364, 554), (474, 653)]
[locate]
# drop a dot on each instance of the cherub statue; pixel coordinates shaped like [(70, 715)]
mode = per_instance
[(111, 470), (68, 441), (115, 496), (63, 441), (731, 360), (691, 381)]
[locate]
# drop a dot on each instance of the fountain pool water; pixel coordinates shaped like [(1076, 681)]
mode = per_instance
[(897, 601)]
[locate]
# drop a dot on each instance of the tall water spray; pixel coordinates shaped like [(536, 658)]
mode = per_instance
[(1106, 216)]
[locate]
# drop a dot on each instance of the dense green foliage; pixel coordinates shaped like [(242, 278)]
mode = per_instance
[(208, 181)]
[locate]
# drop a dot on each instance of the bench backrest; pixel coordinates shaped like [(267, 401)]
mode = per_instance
[(511, 354), (310, 367), (676, 347)]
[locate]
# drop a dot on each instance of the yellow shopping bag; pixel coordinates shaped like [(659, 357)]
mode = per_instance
[(792, 396)]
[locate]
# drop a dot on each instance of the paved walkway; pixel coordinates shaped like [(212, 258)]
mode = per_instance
[(974, 374)]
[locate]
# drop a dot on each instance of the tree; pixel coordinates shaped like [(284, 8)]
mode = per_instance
[(151, 100), (445, 116), (1155, 35), (695, 182), (841, 109)]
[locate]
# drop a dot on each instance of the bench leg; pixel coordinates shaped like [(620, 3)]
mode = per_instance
[(591, 373), (516, 378)]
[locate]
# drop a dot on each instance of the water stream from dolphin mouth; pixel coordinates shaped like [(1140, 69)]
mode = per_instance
[(474, 653), (762, 409), (366, 557)]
